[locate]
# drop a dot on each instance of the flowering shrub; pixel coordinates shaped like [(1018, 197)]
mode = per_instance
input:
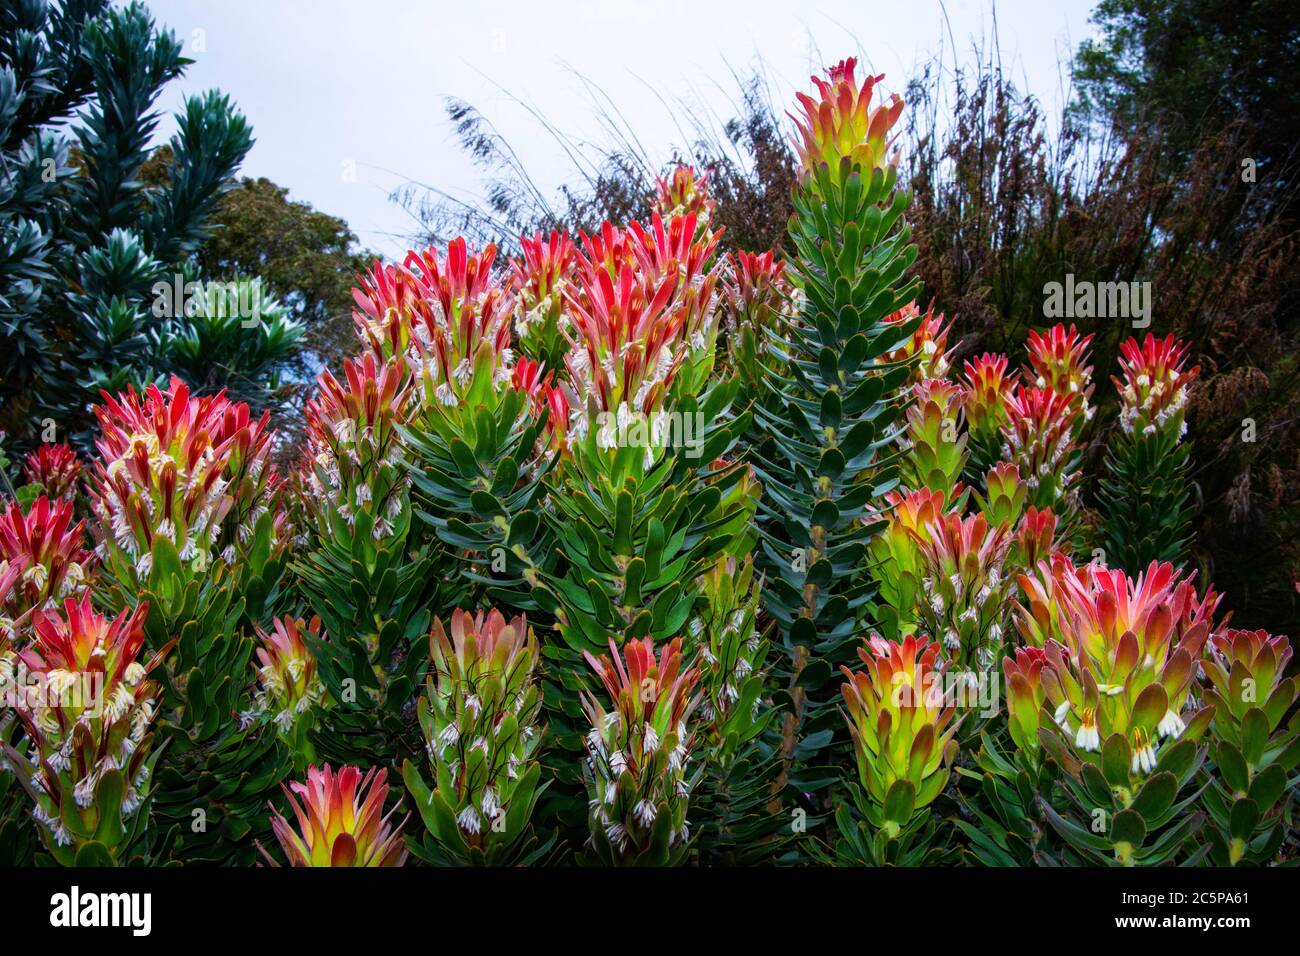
[(964, 588), (934, 448), (988, 388), (88, 707), (715, 478), (638, 753), (1145, 493), (288, 686), (902, 725), (1038, 438), (479, 719), (1058, 361), (927, 350), (898, 566)]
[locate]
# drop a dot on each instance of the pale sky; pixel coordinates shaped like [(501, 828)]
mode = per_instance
[(347, 99)]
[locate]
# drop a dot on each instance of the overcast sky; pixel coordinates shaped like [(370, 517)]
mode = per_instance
[(347, 99)]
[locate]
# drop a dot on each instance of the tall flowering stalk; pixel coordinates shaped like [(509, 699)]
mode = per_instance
[(163, 490), (1145, 494), (638, 754), (479, 717), (965, 587), (341, 821), (56, 468), (934, 445), (353, 563), (1038, 438), (897, 564), (475, 433), (540, 279), (988, 388), (49, 546), (729, 652), (82, 692), (356, 489), (1255, 746), (642, 499), (901, 718), (186, 523), (832, 418), (1120, 692), (288, 685), (1003, 822)]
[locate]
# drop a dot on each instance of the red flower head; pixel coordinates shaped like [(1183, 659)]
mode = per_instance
[(353, 447), (49, 547), (1123, 660), (929, 343), (467, 329), (1025, 695), (645, 299), (988, 388), (839, 122), (1039, 439), (527, 378), (1058, 359), (161, 474), (540, 279), (1153, 390), (755, 285), (56, 468), (685, 192)]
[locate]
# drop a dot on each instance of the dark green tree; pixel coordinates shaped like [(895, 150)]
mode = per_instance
[(308, 259), (84, 238), (1179, 67)]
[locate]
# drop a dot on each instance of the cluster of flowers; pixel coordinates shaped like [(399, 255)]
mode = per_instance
[(971, 553)]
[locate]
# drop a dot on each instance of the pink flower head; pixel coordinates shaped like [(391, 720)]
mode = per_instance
[(1154, 383)]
